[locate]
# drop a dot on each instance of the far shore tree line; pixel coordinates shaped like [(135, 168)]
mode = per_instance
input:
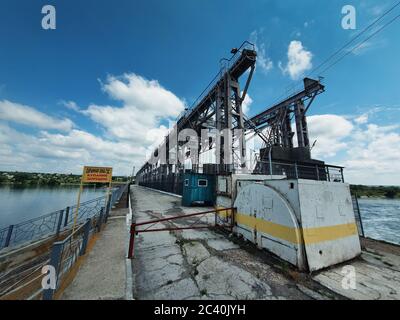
[(45, 179), (389, 192)]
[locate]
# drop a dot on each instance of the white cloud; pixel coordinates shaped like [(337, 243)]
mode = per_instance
[(367, 46), (130, 130), (15, 112), (369, 152), (70, 105), (377, 10), (145, 104), (299, 60), (264, 62), (308, 23), (144, 95), (373, 156), (361, 119), (330, 131), (246, 104), (69, 152)]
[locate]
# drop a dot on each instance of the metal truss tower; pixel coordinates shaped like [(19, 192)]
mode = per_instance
[(219, 109)]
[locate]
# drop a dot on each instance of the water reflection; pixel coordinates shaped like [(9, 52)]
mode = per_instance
[(20, 203)]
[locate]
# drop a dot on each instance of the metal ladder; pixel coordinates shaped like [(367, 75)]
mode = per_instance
[(357, 215)]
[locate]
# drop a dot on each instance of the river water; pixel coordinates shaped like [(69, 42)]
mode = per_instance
[(18, 204), (381, 217)]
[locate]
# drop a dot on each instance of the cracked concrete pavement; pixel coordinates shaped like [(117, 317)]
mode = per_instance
[(197, 264), (376, 274)]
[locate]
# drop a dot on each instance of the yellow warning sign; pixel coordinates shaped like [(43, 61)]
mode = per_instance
[(97, 174), (93, 175)]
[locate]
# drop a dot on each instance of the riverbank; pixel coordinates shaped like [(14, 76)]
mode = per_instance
[(45, 179), (376, 192)]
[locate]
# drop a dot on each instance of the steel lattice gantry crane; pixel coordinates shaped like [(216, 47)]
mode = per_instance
[(221, 106), (278, 117), (278, 121), (218, 107)]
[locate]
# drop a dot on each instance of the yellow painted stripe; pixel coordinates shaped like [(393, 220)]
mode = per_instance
[(275, 230), (293, 235), (330, 233)]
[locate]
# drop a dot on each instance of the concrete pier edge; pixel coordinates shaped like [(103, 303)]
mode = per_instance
[(128, 262)]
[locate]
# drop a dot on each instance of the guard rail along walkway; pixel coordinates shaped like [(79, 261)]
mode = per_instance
[(26, 281), (52, 224), (227, 224)]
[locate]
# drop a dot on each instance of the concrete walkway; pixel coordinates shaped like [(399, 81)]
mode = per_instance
[(376, 274), (194, 264), (206, 264), (103, 273)]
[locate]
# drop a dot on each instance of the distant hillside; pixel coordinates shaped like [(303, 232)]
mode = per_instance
[(376, 191), (45, 179), (54, 179)]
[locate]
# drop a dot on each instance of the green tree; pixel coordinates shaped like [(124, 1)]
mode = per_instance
[(391, 193), (21, 177), (52, 181)]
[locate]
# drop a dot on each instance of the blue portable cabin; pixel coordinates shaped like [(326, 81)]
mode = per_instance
[(198, 188)]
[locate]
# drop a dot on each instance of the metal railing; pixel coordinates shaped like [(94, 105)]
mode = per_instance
[(54, 223), (64, 254), (320, 172), (87, 210)]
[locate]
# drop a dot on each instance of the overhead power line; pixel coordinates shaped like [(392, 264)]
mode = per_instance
[(354, 38), (360, 44), (343, 48)]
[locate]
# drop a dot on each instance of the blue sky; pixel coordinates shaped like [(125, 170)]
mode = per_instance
[(107, 57)]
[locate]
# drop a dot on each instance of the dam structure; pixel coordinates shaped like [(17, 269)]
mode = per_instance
[(294, 206), (280, 209)]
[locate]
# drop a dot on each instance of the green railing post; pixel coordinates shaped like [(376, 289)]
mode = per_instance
[(60, 218), (55, 260), (9, 233), (108, 208), (100, 219), (86, 231), (127, 195), (66, 216)]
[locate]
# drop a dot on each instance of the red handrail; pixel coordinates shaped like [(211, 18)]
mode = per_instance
[(134, 225)]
